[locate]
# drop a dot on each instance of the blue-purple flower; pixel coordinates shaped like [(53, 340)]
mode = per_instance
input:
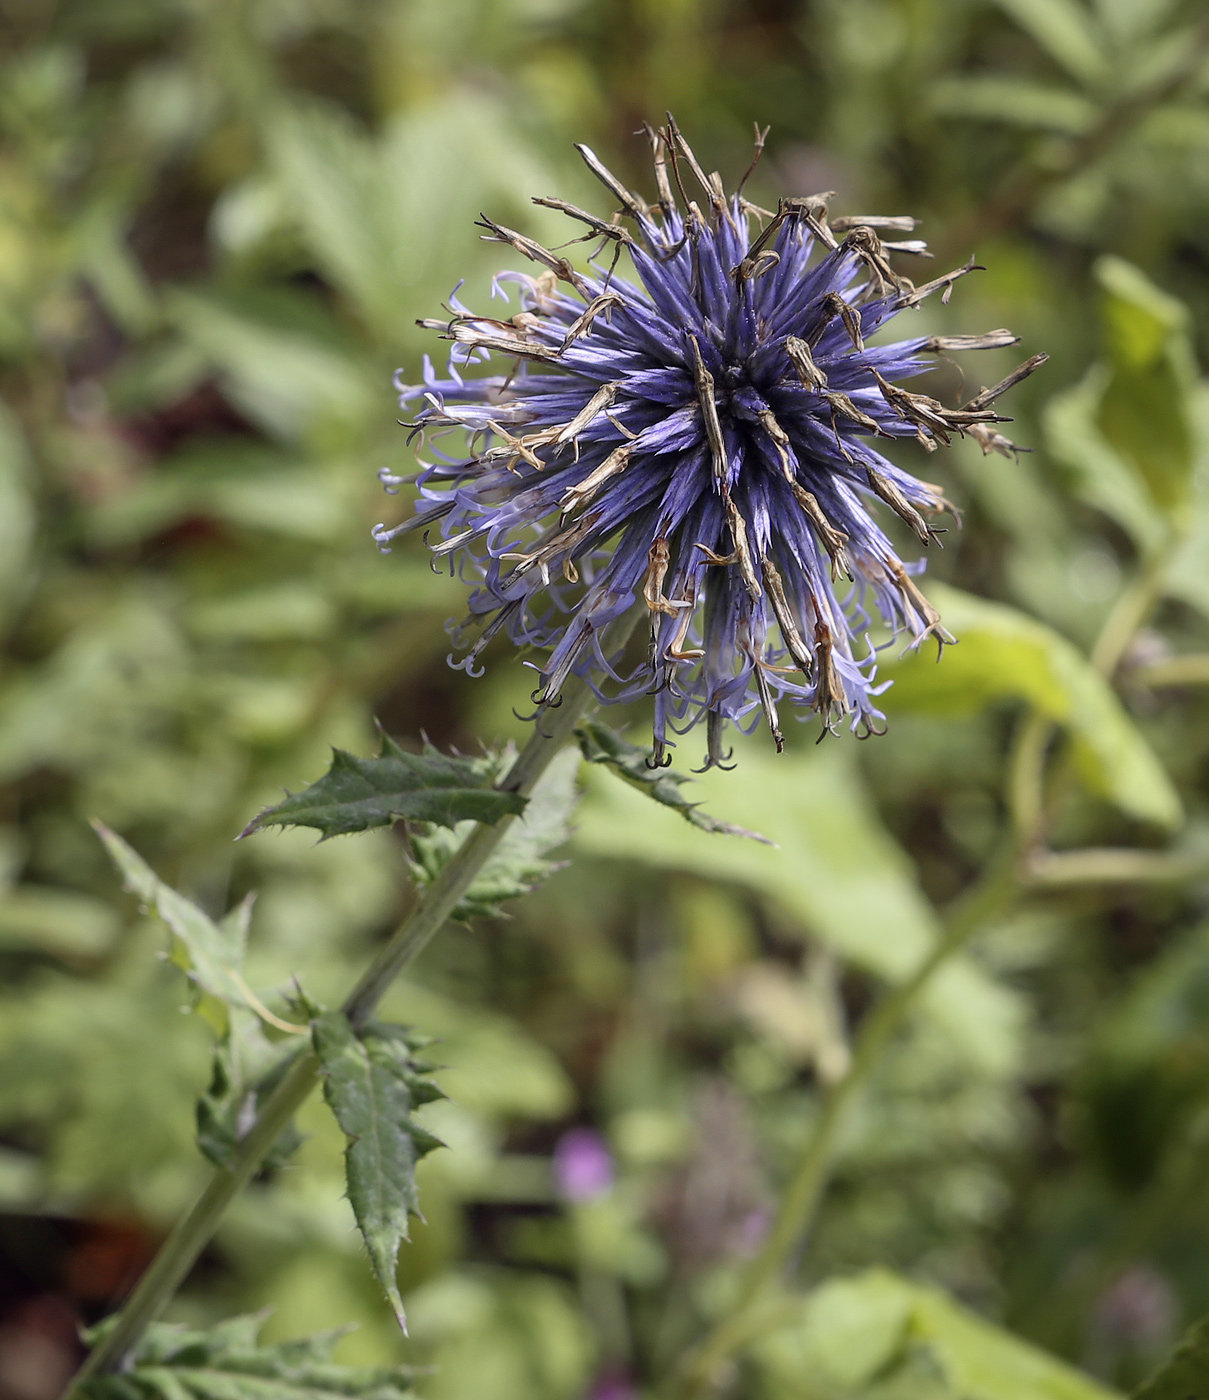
[(696, 443)]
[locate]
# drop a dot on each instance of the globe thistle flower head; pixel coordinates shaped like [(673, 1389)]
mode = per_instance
[(696, 440)]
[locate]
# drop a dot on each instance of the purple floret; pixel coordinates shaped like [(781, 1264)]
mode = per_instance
[(695, 443)]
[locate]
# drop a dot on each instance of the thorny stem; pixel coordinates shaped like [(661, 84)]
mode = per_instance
[(193, 1231)]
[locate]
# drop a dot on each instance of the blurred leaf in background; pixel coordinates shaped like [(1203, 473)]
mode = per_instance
[(218, 225)]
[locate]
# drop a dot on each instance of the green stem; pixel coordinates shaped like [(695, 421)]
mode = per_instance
[(193, 1231), (1131, 609), (1005, 879), (814, 1167)]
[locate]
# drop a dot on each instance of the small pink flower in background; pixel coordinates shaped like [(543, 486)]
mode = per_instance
[(583, 1167), (612, 1384)]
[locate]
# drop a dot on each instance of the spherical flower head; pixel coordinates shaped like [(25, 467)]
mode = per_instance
[(695, 445)]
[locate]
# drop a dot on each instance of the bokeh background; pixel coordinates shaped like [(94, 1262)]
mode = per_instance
[(219, 220)]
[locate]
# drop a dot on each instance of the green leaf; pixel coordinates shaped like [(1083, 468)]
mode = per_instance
[(225, 1362), (1067, 33), (876, 1326), (518, 864), (372, 1082), (356, 794), (247, 1067), (285, 377), (1132, 428), (491, 1064), (1185, 1373), (1015, 101), (1147, 410), (985, 1362), (838, 874), (1003, 653), (212, 953), (1103, 476), (384, 215), (600, 744)]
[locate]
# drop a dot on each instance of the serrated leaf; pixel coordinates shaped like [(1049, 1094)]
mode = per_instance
[(1004, 652), (212, 953), (356, 794), (518, 864), (247, 1067), (600, 744), (1185, 1373), (225, 1362), (372, 1082)]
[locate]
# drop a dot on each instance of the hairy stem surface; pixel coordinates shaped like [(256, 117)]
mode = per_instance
[(194, 1230)]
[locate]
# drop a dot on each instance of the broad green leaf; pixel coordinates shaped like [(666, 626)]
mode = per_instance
[(1015, 101), (284, 377), (835, 870), (239, 482), (356, 794), (1147, 410), (61, 922), (247, 1067), (386, 217), (518, 864), (225, 1362), (849, 1328), (1133, 428), (1185, 1373), (985, 1362), (600, 744), (876, 1329), (1003, 653), (1104, 477), (503, 1334), (372, 1082), (212, 953), (1067, 32)]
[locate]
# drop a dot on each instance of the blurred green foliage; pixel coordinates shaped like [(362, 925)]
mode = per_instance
[(219, 220)]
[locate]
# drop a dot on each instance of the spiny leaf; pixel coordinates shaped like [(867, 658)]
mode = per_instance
[(600, 744), (356, 794), (517, 865), (372, 1082), (248, 1066), (213, 952), (1185, 1373), (224, 1362)]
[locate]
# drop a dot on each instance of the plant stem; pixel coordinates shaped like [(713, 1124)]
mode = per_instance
[(1131, 609), (193, 1231), (813, 1170), (1005, 879)]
